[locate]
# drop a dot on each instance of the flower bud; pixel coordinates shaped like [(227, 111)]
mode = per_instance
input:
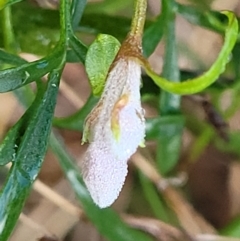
[(114, 128)]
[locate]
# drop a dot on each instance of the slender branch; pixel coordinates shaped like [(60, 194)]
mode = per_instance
[(139, 17), (8, 36), (77, 8), (65, 22)]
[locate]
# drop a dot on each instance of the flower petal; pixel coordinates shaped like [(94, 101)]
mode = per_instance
[(103, 174), (116, 127)]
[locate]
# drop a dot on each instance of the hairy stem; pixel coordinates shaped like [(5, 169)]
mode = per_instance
[(139, 18)]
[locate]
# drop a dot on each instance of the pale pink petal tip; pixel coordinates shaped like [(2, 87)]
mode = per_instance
[(103, 176), (116, 128)]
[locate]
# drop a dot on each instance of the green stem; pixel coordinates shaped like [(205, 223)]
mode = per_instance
[(170, 103), (169, 139), (8, 37), (139, 18), (77, 8), (65, 22)]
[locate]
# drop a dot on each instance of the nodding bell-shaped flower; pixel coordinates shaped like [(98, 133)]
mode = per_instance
[(115, 128)]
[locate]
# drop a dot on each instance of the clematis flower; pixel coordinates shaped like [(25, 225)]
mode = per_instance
[(115, 128)]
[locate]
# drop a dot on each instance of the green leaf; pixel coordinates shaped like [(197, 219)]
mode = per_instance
[(13, 137), (195, 85), (97, 23), (153, 124), (169, 134), (4, 3), (26, 95), (152, 195), (169, 144), (76, 121), (169, 102), (40, 30), (152, 35), (106, 220), (77, 9), (167, 130), (79, 49), (29, 154), (72, 57), (16, 77), (12, 59), (204, 4), (232, 146), (207, 19), (108, 6), (11, 141), (232, 229), (100, 56)]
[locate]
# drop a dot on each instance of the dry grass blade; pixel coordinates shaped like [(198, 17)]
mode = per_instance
[(160, 230), (190, 220), (57, 199), (31, 227), (71, 95), (210, 237)]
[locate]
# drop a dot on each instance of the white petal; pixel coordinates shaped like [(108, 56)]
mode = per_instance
[(105, 162), (103, 174), (132, 131)]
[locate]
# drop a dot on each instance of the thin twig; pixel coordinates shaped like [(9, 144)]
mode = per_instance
[(32, 224), (190, 220), (65, 88), (71, 95), (212, 237), (157, 228), (57, 199)]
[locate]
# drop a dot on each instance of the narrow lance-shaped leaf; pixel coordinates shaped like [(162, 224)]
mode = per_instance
[(232, 229), (79, 49), (208, 19), (4, 3), (12, 59), (11, 141), (28, 159), (170, 134), (152, 35), (195, 85), (77, 9), (16, 77)]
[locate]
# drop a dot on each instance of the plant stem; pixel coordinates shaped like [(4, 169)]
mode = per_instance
[(139, 18), (169, 139), (170, 103), (8, 36), (77, 8), (65, 22)]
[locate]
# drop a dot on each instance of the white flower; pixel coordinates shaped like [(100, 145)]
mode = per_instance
[(114, 128)]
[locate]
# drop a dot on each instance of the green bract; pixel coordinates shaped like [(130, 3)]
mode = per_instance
[(100, 56)]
